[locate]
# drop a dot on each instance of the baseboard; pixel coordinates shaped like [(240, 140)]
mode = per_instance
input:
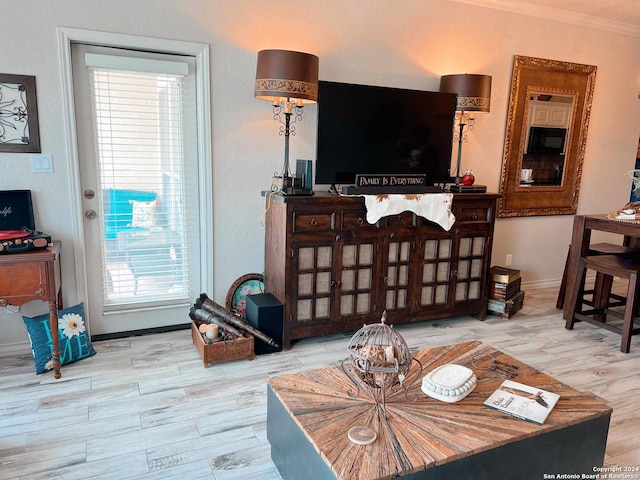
[(540, 284), (551, 283), (11, 349), (137, 333)]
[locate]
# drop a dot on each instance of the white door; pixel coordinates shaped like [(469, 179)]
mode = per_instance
[(136, 131)]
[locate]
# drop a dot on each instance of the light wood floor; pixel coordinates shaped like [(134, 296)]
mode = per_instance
[(145, 407)]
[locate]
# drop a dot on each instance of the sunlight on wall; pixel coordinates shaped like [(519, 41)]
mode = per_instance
[(398, 48), (271, 26)]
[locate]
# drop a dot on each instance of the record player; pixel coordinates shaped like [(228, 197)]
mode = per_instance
[(17, 224)]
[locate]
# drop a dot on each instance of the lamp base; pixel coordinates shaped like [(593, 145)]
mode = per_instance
[(300, 192), (277, 183), (292, 186)]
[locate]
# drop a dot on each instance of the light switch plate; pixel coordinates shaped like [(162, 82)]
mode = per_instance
[(41, 163)]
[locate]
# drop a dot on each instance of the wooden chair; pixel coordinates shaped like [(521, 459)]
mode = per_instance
[(603, 248), (610, 266)]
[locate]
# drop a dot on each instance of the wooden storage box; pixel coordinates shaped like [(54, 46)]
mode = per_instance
[(222, 351)]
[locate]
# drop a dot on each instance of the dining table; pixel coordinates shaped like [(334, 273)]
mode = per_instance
[(583, 226)]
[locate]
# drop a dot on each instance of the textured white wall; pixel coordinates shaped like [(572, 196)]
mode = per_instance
[(380, 42)]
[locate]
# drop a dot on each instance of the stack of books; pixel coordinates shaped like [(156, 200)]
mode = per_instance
[(505, 296)]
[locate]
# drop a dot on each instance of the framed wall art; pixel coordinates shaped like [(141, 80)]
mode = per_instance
[(19, 131), (249, 284)]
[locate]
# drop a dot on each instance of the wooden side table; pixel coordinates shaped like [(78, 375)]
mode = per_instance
[(34, 275)]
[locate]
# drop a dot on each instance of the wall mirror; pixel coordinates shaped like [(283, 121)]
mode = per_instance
[(546, 135)]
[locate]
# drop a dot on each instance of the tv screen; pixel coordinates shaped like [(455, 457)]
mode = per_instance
[(366, 129), (546, 140)]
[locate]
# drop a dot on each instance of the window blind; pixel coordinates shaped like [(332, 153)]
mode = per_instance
[(139, 136)]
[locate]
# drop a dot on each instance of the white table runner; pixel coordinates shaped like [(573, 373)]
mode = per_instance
[(435, 207)]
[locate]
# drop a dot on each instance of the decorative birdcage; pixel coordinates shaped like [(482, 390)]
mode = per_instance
[(379, 358)]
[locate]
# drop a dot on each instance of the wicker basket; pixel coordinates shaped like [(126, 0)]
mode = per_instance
[(222, 351)]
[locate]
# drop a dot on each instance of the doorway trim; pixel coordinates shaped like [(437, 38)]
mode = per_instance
[(67, 36)]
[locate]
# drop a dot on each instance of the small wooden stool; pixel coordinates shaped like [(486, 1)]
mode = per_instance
[(603, 248), (611, 266)]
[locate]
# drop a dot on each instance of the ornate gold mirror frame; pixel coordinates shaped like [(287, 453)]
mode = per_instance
[(546, 134)]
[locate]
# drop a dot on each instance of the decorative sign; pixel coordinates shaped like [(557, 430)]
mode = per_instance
[(18, 114), (409, 180)]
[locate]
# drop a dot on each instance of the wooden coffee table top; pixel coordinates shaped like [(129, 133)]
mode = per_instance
[(420, 432)]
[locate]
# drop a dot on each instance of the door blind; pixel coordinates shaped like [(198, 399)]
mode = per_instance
[(139, 129)]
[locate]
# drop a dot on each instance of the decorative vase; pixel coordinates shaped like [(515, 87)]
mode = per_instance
[(468, 178)]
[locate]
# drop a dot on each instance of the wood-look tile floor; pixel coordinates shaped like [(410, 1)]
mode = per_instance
[(145, 407)]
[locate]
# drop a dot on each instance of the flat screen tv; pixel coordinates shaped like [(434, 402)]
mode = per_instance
[(546, 140), (365, 129)]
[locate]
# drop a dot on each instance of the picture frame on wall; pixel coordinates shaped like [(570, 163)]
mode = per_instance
[(19, 132)]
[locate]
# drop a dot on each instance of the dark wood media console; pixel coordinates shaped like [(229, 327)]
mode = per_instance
[(334, 272)]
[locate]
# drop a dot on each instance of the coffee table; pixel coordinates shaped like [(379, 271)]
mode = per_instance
[(310, 413)]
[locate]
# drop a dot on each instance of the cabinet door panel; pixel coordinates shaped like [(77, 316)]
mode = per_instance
[(435, 265), (356, 267), (443, 270), (357, 304), (323, 283), (396, 299), (467, 291), (323, 308), (305, 284), (471, 266), (432, 295), (397, 273), (312, 258), (312, 281)]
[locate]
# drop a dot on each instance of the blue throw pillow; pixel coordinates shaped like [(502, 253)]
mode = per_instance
[(74, 340)]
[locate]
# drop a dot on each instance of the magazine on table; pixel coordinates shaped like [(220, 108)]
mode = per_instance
[(522, 401)]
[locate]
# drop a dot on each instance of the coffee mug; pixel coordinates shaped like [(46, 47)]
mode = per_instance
[(526, 175)]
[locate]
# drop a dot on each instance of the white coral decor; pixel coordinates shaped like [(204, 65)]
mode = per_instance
[(71, 324), (635, 178)]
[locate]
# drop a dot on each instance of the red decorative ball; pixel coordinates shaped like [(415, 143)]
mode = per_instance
[(468, 178)]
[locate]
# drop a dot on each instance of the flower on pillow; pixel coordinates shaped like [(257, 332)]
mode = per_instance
[(71, 324), (73, 339), (143, 214)]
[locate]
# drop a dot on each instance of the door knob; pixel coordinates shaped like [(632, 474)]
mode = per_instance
[(90, 214), (89, 194)]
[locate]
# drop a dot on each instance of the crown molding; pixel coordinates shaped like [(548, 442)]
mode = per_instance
[(557, 14)]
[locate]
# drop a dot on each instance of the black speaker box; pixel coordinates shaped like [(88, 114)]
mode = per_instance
[(265, 312)]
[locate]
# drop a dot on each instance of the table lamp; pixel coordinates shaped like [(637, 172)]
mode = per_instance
[(288, 80), (474, 95)]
